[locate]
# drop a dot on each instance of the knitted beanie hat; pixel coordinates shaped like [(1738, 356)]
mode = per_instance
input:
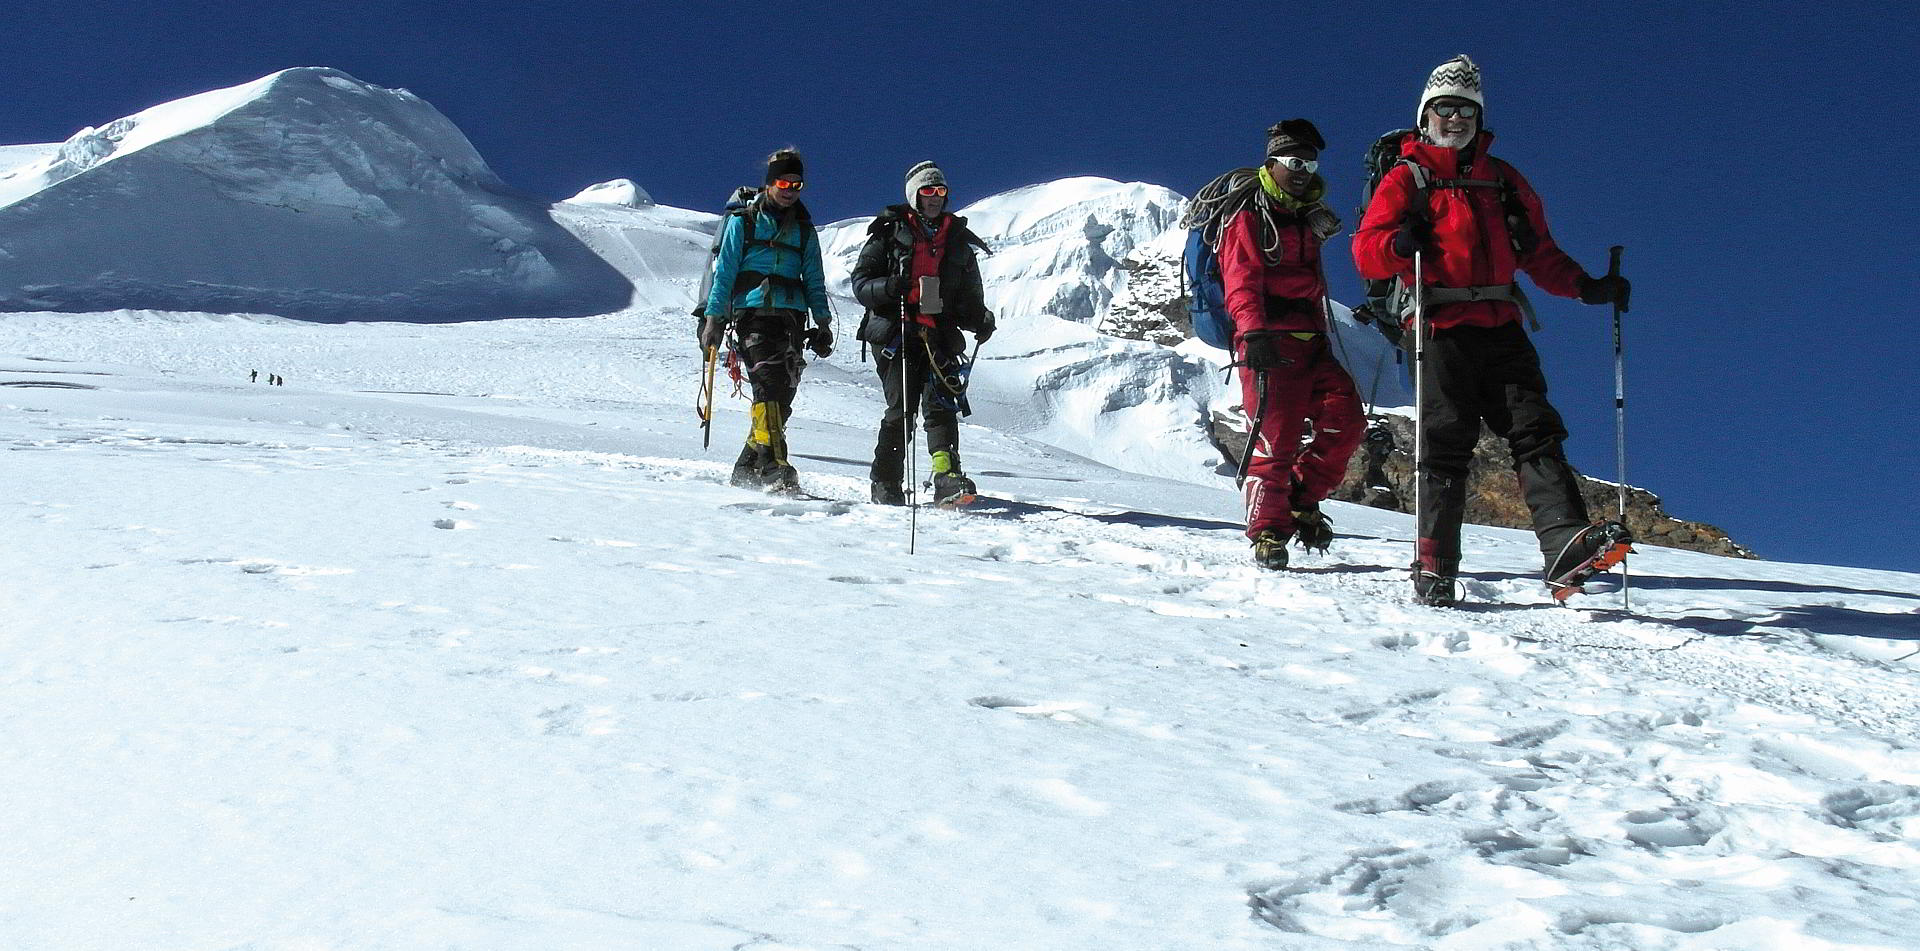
[(925, 173), (1291, 133), (785, 164), (1457, 77)]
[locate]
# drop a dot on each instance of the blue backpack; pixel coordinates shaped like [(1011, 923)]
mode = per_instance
[(1212, 207), (1207, 296)]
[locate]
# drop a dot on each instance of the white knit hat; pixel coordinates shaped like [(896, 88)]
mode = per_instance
[(1457, 77), (925, 173)]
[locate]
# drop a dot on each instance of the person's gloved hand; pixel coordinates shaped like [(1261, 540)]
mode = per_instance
[(712, 332), (1606, 289), (1415, 235), (820, 341), (985, 330), (898, 285)]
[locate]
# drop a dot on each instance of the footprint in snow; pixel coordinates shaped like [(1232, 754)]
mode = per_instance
[(1064, 711), (793, 508), (452, 524)]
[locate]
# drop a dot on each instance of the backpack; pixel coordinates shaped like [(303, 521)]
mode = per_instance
[(1389, 300), (1206, 217)]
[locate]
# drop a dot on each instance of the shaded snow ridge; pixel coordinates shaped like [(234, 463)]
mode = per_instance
[(306, 194)]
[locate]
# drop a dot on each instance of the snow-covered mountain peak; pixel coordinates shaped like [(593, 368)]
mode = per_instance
[(1038, 212), (305, 193), (1057, 246), (621, 192), (312, 106)]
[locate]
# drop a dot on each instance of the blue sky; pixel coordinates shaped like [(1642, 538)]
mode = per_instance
[(1752, 158)]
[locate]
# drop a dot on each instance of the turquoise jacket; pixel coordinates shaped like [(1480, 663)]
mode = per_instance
[(793, 254)]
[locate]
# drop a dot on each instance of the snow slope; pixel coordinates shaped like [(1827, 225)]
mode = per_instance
[(306, 194), (501, 663)]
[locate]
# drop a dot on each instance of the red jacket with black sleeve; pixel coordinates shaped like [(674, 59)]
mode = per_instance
[(1473, 246), (1283, 262)]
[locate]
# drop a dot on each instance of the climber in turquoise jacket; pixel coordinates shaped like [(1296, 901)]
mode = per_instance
[(767, 279)]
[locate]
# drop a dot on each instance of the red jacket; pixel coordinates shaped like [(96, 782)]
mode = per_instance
[(1472, 246), (1250, 275)]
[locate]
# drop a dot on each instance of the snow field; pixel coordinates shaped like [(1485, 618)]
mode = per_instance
[(494, 659)]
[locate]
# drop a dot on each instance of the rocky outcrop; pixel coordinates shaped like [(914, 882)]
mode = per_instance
[(1150, 306), (1383, 478)]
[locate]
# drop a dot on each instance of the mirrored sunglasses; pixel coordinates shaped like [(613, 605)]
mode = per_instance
[(789, 184), (1294, 163)]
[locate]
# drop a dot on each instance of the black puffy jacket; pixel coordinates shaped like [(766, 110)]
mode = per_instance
[(888, 254)]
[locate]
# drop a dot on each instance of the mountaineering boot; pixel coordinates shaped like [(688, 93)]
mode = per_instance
[(783, 480), (746, 469), (951, 487), (1587, 552), (888, 493), (770, 436), (1312, 528), (1434, 583), (1270, 550)]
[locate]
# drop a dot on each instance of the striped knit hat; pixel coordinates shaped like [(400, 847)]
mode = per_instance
[(1457, 77), (925, 173)]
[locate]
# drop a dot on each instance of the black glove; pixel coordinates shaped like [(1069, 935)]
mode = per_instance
[(985, 329), (1607, 289), (898, 285), (1261, 351), (1415, 234), (712, 332), (820, 341)]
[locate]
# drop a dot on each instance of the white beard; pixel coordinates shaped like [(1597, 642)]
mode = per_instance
[(1460, 141)]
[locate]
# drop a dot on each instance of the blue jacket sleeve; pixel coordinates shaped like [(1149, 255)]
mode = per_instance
[(726, 267), (816, 278)]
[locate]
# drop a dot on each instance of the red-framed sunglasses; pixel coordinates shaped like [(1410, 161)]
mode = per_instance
[(789, 184), (933, 191)]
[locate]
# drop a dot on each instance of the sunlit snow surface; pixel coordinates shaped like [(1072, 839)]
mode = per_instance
[(459, 640)]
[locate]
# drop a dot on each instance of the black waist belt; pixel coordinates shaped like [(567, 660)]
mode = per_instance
[(1287, 305)]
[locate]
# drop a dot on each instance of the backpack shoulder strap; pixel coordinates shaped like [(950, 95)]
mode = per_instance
[(1422, 183), (748, 214), (1520, 227)]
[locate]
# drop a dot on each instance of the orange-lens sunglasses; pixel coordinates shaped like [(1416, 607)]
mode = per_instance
[(788, 184)]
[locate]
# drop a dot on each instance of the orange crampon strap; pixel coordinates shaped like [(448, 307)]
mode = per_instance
[(1605, 560)]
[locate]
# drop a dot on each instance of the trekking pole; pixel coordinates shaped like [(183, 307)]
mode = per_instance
[(703, 404), (1419, 398), (908, 443), (1620, 413)]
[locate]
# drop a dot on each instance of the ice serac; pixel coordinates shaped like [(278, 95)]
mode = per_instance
[(305, 194)]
